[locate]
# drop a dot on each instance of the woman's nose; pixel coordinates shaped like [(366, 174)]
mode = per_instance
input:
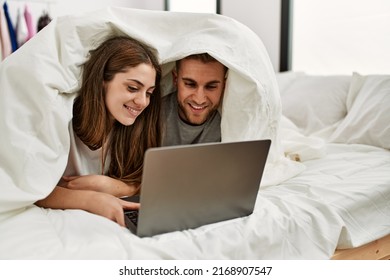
[(141, 99)]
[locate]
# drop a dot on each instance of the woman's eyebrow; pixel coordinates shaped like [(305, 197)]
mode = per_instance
[(140, 83), (136, 81)]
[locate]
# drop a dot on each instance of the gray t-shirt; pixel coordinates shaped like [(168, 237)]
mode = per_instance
[(177, 132)]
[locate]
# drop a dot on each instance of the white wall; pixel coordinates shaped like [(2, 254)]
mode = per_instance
[(342, 37), (263, 17)]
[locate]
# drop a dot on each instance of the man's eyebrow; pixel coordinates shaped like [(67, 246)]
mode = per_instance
[(188, 80), (193, 81)]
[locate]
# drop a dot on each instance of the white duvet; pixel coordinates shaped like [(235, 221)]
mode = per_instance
[(301, 217), (38, 82)]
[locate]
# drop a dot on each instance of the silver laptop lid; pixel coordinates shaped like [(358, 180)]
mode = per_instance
[(188, 186)]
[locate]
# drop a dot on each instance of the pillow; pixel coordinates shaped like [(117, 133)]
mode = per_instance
[(285, 79), (368, 118), (314, 103)]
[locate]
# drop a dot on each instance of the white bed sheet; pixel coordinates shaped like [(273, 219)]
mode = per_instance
[(354, 180), (340, 200)]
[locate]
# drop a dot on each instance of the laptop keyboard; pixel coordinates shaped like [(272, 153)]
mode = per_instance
[(133, 216)]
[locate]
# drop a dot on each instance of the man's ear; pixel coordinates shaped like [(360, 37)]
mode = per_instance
[(224, 84)]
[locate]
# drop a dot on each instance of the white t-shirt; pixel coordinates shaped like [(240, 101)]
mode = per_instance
[(82, 160)]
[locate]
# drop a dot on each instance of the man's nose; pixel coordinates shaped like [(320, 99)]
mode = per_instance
[(200, 95)]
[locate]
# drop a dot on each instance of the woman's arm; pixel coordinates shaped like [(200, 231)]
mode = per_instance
[(99, 183), (99, 203)]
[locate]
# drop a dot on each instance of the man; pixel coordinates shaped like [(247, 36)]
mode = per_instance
[(191, 112)]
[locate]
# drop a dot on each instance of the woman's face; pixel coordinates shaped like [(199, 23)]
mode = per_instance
[(128, 93)]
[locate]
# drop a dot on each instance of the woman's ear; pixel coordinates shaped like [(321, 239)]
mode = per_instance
[(174, 78)]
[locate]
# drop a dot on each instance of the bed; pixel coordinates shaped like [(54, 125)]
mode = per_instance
[(325, 188), (349, 113)]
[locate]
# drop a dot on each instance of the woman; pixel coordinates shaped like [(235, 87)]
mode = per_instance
[(115, 119)]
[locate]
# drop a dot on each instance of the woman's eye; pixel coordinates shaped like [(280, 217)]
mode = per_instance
[(132, 89)]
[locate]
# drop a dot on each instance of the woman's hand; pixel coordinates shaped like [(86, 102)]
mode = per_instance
[(99, 203), (110, 207), (99, 183)]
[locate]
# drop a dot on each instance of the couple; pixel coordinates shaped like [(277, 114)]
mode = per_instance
[(119, 113)]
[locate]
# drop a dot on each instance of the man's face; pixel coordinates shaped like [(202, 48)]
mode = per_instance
[(200, 88)]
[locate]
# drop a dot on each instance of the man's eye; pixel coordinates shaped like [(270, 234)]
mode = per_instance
[(191, 85), (211, 87)]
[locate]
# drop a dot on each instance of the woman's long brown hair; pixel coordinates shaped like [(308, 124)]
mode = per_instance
[(91, 122)]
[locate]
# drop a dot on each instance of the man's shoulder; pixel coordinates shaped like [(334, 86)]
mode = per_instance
[(169, 97), (169, 106), (169, 102)]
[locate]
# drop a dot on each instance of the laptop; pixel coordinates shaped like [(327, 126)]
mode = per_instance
[(188, 186)]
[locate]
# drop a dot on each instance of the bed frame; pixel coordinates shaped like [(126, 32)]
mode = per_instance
[(376, 250)]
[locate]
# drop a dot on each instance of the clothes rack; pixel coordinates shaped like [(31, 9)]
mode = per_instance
[(20, 20)]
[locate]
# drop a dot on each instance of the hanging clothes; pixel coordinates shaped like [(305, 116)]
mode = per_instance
[(1, 48), (21, 29), (1, 43), (6, 47), (11, 29), (43, 20), (31, 30)]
